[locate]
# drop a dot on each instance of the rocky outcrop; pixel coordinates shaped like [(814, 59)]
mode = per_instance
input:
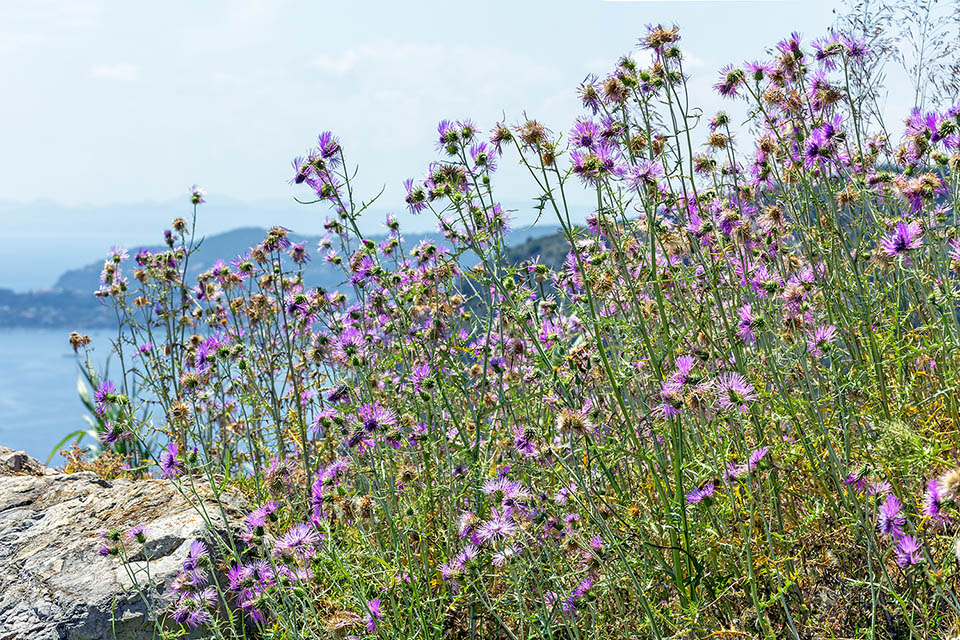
[(53, 582)]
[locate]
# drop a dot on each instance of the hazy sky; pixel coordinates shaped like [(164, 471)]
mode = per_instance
[(121, 101)]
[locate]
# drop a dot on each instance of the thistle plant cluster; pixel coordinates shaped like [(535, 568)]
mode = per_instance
[(732, 409)]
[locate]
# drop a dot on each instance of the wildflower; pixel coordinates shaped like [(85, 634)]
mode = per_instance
[(170, 465), (373, 615), (878, 488), (302, 169), (416, 198), (499, 527), (465, 557), (758, 458), (644, 175), (734, 471), (532, 133), (822, 338), (374, 417), (585, 134), (113, 433), (137, 533), (748, 322), (197, 194), (908, 550), (258, 517), (890, 518), (730, 80), (589, 95), (467, 523), (104, 396), (905, 238), (734, 392), (300, 541), (933, 502), (500, 558), (499, 135), (197, 556), (703, 493), (817, 150), (298, 253), (482, 157), (448, 136), (856, 48), (328, 145), (857, 479), (596, 164)]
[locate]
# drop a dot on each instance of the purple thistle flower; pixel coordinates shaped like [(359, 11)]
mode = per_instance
[(328, 145), (170, 466), (671, 392), (822, 337), (644, 175), (416, 197), (747, 323), (499, 527), (857, 48), (258, 517), (757, 458), (905, 238), (300, 541), (878, 488), (447, 134), (113, 434), (932, 503), (466, 556), (197, 194), (301, 170), (589, 94), (857, 479), (198, 618), (730, 80), (374, 417), (195, 556), (373, 615), (298, 253), (596, 164), (137, 533), (817, 150), (702, 494), (908, 550), (104, 396), (585, 134), (734, 392), (734, 471), (483, 156), (890, 519)]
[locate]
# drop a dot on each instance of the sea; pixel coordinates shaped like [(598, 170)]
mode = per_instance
[(39, 400)]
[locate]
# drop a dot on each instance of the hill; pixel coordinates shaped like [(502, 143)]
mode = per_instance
[(71, 303)]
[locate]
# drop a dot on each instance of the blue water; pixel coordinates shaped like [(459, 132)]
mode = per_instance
[(39, 403)]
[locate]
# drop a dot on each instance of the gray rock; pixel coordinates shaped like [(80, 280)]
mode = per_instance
[(53, 583)]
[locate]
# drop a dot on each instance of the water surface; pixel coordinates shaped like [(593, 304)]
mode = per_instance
[(39, 403)]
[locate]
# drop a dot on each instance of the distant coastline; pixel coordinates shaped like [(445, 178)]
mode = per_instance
[(71, 303)]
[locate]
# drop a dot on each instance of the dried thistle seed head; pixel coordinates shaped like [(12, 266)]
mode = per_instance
[(949, 484), (532, 133), (365, 505), (78, 340), (572, 421)]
